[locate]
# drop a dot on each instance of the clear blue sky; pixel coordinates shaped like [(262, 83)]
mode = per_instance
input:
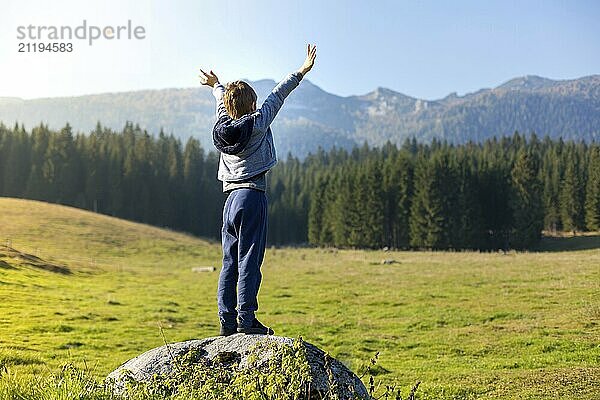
[(426, 49)]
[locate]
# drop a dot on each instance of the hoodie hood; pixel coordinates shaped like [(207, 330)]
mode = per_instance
[(230, 136)]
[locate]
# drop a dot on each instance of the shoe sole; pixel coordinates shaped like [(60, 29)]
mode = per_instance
[(228, 333), (256, 332)]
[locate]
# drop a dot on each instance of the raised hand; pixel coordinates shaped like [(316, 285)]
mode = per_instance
[(311, 54), (208, 79)]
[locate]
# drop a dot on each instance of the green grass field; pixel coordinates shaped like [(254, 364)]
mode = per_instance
[(468, 325)]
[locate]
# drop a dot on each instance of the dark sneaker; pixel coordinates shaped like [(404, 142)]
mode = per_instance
[(256, 329), (225, 331)]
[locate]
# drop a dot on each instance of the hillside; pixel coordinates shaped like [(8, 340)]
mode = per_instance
[(314, 117), (83, 239)]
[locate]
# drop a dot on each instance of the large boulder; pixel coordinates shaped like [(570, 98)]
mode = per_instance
[(233, 351)]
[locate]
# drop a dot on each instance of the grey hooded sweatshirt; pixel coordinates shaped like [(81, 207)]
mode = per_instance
[(247, 168)]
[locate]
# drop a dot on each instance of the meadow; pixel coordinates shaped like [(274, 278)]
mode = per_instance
[(93, 290)]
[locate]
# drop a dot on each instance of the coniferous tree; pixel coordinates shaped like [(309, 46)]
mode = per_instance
[(37, 186), (95, 181), (172, 216), (330, 211), (449, 182), (592, 198), (551, 191), (348, 223), (58, 168), (194, 186), (428, 224), (494, 183), (115, 177), (469, 228), (4, 136), (317, 211), (67, 167), (17, 163), (526, 201), (571, 196), (370, 206), (398, 181)]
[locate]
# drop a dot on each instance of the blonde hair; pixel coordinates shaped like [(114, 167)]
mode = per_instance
[(239, 99)]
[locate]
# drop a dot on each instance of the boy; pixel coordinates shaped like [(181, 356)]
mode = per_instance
[(243, 135)]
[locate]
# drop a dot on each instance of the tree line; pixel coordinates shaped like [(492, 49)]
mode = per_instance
[(497, 194)]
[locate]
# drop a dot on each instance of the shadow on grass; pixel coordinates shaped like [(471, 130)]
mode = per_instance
[(569, 243), (29, 260), (10, 357)]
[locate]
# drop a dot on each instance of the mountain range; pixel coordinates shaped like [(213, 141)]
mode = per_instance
[(314, 118)]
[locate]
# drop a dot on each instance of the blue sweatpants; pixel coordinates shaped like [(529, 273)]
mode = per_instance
[(244, 236)]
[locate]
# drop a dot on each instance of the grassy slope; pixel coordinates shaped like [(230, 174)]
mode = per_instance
[(468, 325)]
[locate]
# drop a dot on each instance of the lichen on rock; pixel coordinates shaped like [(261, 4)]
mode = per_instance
[(249, 366)]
